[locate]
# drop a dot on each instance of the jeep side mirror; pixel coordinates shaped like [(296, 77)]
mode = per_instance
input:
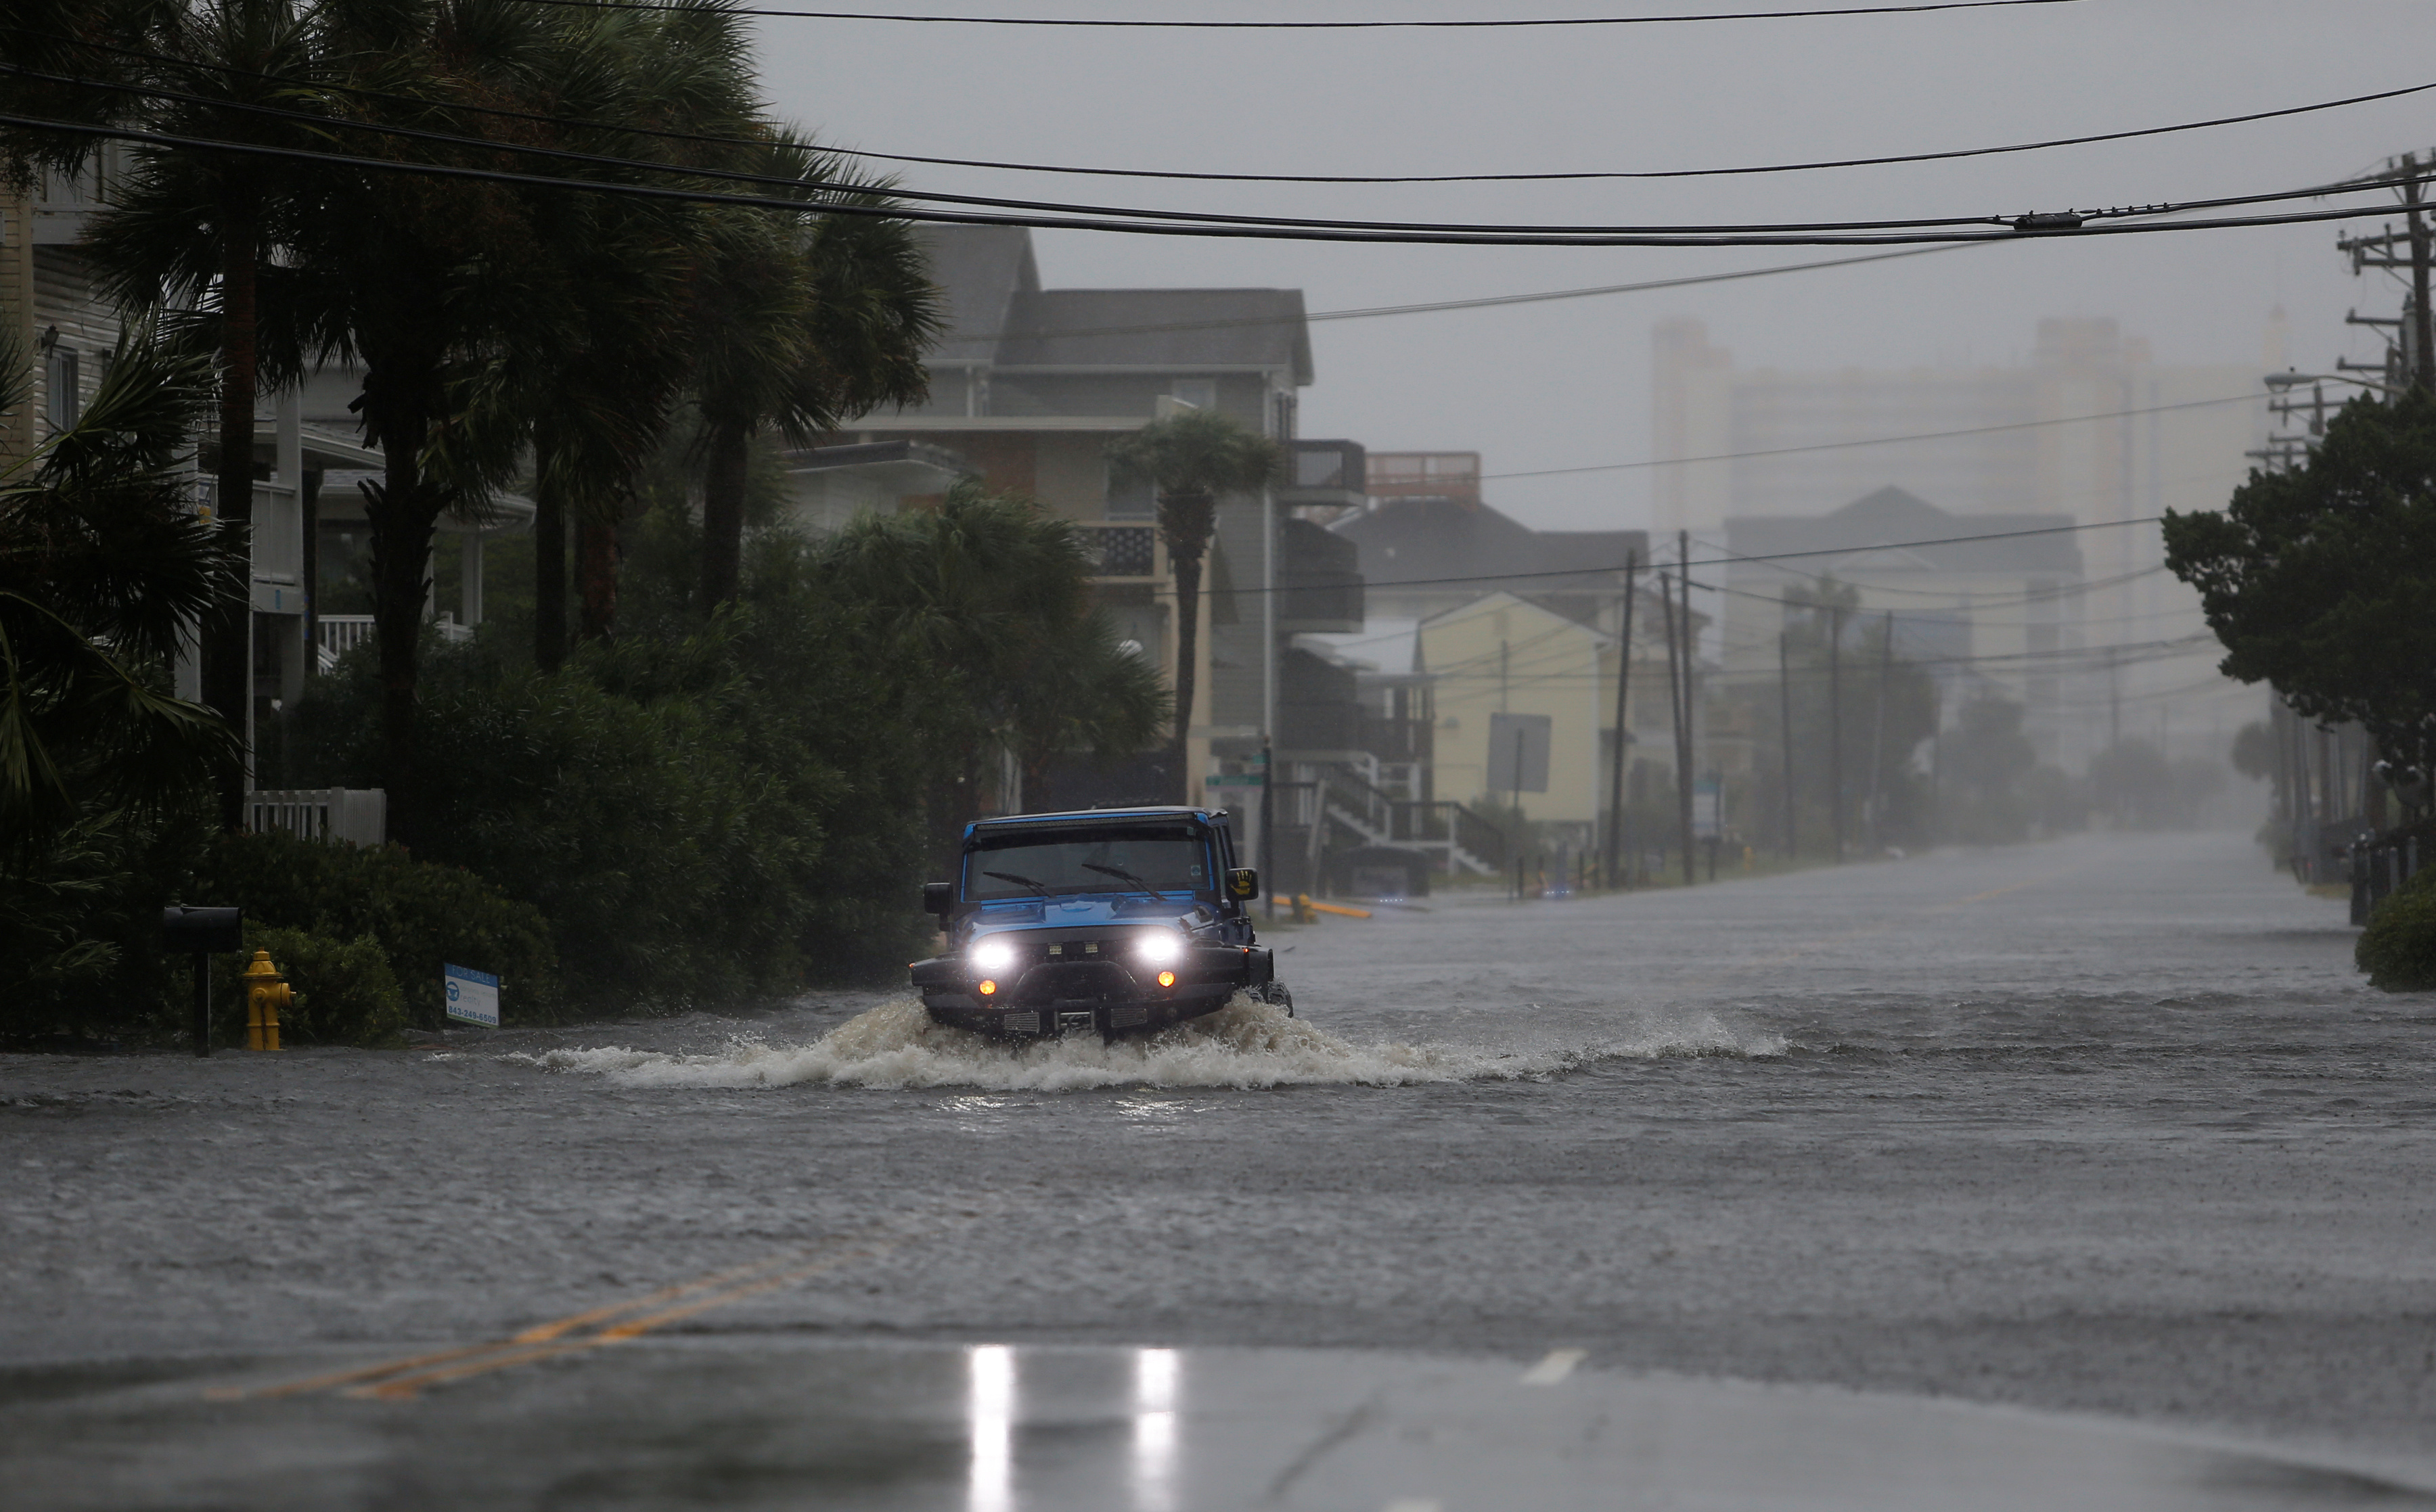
[(938, 897), (1243, 882)]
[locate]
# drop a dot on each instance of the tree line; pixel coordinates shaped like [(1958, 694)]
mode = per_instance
[(716, 769)]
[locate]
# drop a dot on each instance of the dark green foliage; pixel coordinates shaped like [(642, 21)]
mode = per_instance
[(100, 563), (424, 914), (81, 931), (2398, 947), (345, 992), (2319, 580), (704, 812)]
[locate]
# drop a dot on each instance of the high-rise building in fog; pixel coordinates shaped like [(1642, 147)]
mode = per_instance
[(2089, 429)]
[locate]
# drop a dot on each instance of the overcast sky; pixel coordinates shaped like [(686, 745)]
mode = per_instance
[(1566, 384)]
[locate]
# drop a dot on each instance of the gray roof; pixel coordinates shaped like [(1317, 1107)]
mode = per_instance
[(1892, 517), (1423, 540), (982, 269), (997, 312), (1177, 329)]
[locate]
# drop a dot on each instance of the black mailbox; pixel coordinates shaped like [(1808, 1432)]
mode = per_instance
[(209, 929), (938, 897)]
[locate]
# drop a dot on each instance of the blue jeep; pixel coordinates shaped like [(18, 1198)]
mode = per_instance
[(1105, 921)]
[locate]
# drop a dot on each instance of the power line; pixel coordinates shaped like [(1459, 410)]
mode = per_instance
[(1611, 569), (1188, 218), (1925, 7), (1436, 306), (1808, 166), (1881, 441), (2066, 223), (720, 140)]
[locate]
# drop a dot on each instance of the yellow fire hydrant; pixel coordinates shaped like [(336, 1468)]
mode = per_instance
[(266, 993)]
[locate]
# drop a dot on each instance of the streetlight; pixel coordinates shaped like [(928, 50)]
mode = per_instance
[(2280, 382)]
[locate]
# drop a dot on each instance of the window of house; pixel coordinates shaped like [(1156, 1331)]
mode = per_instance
[(1201, 394), (1130, 499), (62, 401)]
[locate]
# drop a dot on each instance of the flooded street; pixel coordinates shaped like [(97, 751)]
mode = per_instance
[(2106, 1125)]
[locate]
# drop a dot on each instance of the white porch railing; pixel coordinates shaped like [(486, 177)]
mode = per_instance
[(340, 633), (357, 816)]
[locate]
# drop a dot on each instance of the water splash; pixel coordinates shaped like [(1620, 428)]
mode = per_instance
[(1247, 1043)]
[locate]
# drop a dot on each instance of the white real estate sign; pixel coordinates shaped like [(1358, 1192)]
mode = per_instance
[(472, 995)]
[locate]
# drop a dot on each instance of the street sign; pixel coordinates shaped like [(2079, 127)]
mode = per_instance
[(472, 995), (1518, 753), (1233, 780), (1707, 808)]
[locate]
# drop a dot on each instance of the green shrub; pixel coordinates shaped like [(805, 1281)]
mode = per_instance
[(2398, 947), (345, 992), (423, 913)]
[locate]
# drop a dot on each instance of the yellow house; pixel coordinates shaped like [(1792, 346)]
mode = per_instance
[(1525, 699)]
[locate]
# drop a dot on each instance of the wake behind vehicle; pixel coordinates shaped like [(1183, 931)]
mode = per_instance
[(1107, 920)]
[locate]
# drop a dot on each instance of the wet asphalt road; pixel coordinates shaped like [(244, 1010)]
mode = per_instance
[(2102, 1125)]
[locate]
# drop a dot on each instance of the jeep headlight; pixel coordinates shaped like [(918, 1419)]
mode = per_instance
[(991, 955), (1160, 947)]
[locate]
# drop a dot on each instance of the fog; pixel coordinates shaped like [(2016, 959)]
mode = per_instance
[(1566, 384)]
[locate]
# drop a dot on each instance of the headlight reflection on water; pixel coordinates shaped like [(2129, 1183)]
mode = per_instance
[(992, 1382), (990, 1368), (1154, 1375)]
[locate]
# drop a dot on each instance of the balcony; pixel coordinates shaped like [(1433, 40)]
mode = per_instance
[(1326, 475), (1122, 551), (1320, 580)]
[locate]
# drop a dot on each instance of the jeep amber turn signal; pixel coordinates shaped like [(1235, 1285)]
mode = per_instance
[(988, 987), (1167, 978)]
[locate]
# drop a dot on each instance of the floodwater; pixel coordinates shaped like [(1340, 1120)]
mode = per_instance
[(2104, 1125)]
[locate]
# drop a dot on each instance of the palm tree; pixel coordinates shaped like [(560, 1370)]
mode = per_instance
[(1192, 460), (102, 562), (800, 328), (1082, 689), (599, 412), (191, 230), (999, 589)]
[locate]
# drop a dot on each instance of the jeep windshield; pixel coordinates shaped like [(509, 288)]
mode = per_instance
[(1165, 859)]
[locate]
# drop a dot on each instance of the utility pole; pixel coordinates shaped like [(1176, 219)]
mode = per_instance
[(1835, 723), (1683, 753), (1785, 723), (1675, 637), (2423, 343), (1878, 738), (1622, 683), (2114, 699)]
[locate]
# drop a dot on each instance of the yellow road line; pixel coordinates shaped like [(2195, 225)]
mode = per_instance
[(396, 1379), (401, 1387)]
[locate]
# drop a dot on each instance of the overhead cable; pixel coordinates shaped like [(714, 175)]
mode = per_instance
[(1578, 175), (1879, 440), (720, 140), (1238, 229), (1615, 568), (2045, 224), (1119, 24)]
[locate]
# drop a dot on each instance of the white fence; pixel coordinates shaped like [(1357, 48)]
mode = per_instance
[(357, 816), (338, 634)]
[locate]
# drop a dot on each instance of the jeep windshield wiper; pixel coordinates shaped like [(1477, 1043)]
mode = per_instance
[(1123, 876), (1042, 888)]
